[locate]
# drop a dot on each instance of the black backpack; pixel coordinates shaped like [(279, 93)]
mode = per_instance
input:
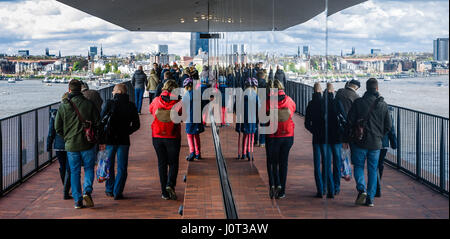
[(106, 123)]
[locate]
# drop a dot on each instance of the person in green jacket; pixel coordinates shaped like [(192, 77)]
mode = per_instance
[(78, 148)]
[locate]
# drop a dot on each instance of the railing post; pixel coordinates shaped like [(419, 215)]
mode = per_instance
[(418, 147), (441, 159), (50, 153), (399, 140), (1, 160), (36, 140), (20, 148)]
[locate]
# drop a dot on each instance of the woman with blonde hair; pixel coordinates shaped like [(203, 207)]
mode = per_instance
[(166, 139)]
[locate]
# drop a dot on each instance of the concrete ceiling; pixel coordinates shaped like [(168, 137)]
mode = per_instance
[(192, 15)]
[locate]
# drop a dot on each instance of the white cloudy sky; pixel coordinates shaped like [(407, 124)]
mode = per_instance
[(407, 25)]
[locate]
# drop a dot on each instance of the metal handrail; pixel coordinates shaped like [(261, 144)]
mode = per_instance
[(227, 192)]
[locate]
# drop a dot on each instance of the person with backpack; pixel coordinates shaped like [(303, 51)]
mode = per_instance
[(121, 119), (193, 129), (56, 142), (315, 124), (153, 82), (166, 139), (368, 121), (389, 140), (75, 120), (280, 143)]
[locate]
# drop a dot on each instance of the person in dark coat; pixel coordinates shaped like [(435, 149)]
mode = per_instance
[(193, 129), (279, 75), (56, 142), (389, 140), (123, 121), (250, 124), (315, 123), (334, 138), (139, 81), (378, 123), (347, 95), (167, 76)]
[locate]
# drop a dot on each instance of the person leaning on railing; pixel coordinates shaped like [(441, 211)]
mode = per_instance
[(372, 110), (56, 142), (79, 149), (123, 121), (279, 143), (166, 137)]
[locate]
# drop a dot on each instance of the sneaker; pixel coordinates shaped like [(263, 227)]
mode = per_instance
[(319, 195), (330, 195), (238, 157), (165, 196), (369, 202), (248, 156), (89, 202), (67, 197), (108, 194), (119, 197), (198, 156), (278, 192), (190, 157), (281, 195), (272, 192), (171, 193), (361, 199), (262, 145), (79, 205)]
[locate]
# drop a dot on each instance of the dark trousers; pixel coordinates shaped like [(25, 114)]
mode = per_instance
[(168, 153), (151, 96), (383, 153), (64, 171), (277, 152)]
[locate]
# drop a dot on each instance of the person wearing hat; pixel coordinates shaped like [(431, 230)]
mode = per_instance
[(193, 129), (347, 95), (79, 149), (92, 95)]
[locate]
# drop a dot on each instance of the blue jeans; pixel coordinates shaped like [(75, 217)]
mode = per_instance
[(359, 156), (138, 95), (336, 150), (86, 157), (116, 184), (324, 177)]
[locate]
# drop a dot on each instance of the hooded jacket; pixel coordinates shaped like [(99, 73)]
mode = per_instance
[(54, 140), (139, 80), (346, 96), (124, 119), (163, 126), (378, 123), (153, 82), (286, 109)]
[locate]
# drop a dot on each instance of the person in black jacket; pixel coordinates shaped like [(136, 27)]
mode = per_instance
[(372, 109), (334, 140), (315, 123), (390, 139), (139, 81), (123, 121), (56, 142)]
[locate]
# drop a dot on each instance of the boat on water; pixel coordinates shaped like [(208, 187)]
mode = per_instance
[(19, 79), (439, 84), (11, 80), (46, 80), (64, 81), (54, 80), (387, 78)]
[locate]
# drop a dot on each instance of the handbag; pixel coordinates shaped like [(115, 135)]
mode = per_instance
[(358, 130), (89, 131), (103, 166)]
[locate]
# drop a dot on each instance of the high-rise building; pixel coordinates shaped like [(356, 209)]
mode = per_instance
[(440, 49), (306, 50), (92, 52), (375, 51), (47, 52), (353, 51), (163, 49), (24, 52), (197, 43)]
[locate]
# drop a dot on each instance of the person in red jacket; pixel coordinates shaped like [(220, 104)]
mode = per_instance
[(166, 139), (279, 143)]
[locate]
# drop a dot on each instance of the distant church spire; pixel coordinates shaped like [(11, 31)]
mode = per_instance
[(101, 51)]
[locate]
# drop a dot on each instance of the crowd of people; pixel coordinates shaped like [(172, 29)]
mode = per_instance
[(337, 121)]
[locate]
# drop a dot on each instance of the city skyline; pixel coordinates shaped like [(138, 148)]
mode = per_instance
[(392, 26)]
